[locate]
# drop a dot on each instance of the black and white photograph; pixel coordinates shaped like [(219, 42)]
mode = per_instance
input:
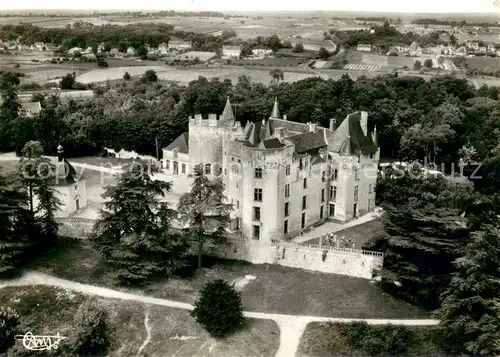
[(198, 178)]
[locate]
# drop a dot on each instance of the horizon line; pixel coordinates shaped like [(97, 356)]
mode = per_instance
[(249, 11)]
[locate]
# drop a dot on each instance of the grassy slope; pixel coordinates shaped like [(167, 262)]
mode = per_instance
[(47, 310), (276, 289), (325, 340)]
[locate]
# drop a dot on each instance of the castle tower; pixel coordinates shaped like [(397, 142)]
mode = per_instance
[(275, 114)]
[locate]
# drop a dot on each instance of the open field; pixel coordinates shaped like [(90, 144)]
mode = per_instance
[(483, 63), (325, 340), (101, 75), (315, 294), (47, 310), (360, 234)]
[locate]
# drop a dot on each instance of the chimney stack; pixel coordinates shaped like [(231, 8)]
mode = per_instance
[(333, 124), (364, 122), (312, 127), (60, 153)]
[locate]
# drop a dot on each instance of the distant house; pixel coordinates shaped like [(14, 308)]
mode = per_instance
[(40, 46), (131, 51), (101, 47), (179, 45), (30, 109), (114, 52), (261, 52), (491, 48), (364, 47), (472, 45), (74, 50), (231, 51), (162, 49), (87, 50)]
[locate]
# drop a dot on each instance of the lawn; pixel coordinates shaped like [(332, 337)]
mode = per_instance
[(47, 310), (360, 234), (325, 340), (275, 289)]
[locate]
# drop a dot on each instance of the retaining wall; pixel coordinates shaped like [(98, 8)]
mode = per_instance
[(344, 261)]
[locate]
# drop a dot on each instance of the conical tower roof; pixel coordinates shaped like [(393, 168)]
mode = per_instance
[(276, 110), (228, 114)]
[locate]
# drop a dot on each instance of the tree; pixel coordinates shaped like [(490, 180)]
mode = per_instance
[(219, 309), (92, 336), (13, 246), (9, 109), (204, 212), (9, 322), (428, 63), (37, 174), (134, 232), (149, 76), (68, 81), (142, 52), (126, 76), (323, 53), (417, 65), (424, 232), (470, 308), (246, 51), (277, 75), (299, 47)]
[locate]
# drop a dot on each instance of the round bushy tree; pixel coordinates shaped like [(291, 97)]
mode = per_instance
[(219, 309), (9, 321), (92, 333)]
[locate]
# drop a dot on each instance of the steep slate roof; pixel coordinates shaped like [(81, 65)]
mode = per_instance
[(308, 141), (64, 173), (289, 125), (349, 138), (227, 114), (272, 143), (276, 110), (181, 143)]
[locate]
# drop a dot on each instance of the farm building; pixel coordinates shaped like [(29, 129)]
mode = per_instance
[(231, 51), (364, 47), (261, 52), (74, 50), (178, 45), (30, 109), (131, 51)]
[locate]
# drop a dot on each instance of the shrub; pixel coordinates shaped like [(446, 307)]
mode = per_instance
[(9, 321), (378, 340), (219, 309), (92, 335)]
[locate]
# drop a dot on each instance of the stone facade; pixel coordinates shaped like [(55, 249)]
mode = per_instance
[(282, 177)]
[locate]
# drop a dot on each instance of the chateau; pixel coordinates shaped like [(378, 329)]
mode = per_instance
[(281, 176)]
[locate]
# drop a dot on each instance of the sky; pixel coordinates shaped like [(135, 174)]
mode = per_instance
[(411, 6)]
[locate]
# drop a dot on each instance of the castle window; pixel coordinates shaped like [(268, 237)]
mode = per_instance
[(208, 169), (256, 232), (225, 172), (333, 193), (323, 176), (303, 221), (323, 195), (176, 168), (370, 188), (183, 168), (257, 195), (287, 170), (356, 174), (356, 188), (256, 213), (258, 173), (371, 156), (237, 185), (304, 202), (287, 209), (285, 227), (167, 164), (305, 183), (232, 158), (287, 190), (238, 204), (300, 164), (335, 174)]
